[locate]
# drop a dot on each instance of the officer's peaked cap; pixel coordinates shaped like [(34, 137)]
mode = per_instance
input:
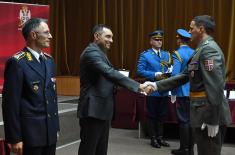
[(183, 33), (158, 34)]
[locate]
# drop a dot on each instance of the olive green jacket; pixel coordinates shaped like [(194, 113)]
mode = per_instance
[(206, 74)]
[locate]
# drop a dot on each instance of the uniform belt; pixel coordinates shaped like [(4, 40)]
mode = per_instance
[(198, 94)]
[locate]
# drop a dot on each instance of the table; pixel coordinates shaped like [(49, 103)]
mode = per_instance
[(131, 108)]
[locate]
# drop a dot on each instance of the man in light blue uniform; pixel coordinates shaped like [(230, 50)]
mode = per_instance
[(180, 58), (153, 65)]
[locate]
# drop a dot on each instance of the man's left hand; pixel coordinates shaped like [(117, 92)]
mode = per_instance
[(16, 148), (211, 129)]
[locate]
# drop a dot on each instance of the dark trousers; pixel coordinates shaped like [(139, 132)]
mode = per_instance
[(42, 150), (157, 112), (94, 136), (183, 114), (182, 111), (208, 145)]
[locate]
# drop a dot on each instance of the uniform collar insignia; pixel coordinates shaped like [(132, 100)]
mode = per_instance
[(206, 42), (29, 56)]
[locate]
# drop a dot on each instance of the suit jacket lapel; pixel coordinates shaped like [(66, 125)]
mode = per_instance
[(103, 54), (48, 78)]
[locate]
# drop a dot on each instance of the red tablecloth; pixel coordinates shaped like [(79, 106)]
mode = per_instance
[(125, 110), (131, 108), (3, 148), (232, 109)]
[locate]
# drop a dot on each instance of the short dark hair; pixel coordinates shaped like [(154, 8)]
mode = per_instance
[(30, 25), (206, 21), (99, 28), (184, 39)]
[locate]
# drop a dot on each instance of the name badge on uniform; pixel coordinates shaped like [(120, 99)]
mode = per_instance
[(209, 64)]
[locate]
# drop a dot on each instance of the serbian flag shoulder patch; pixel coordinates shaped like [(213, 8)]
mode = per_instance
[(209, 64)]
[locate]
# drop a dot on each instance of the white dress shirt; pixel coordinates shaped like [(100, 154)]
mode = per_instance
[(35, 54)]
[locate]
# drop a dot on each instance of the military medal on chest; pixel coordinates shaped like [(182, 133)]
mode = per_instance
[(35, 87)]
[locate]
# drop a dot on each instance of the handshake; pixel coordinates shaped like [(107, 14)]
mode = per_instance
[(147, 87)]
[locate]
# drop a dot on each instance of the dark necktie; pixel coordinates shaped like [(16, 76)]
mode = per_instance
[(158, 53), (42, 62)]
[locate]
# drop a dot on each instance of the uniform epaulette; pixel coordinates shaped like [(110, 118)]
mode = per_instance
[(47, 55), (206, 42), (178, 56), (19, 55), (144, 52)]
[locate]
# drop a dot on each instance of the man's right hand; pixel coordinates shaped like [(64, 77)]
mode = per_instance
[(147, 88), (16, 148), (173, 99), (153, 84)]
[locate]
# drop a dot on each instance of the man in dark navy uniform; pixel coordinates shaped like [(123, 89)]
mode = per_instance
[(180, 58), (152, 65), (30, 111)]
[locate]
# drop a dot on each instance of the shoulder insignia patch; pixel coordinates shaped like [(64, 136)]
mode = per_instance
[(178, 56), (19, 55), (209, 64)]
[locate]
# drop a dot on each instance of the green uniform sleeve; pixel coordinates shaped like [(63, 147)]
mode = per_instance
[(212, 70)]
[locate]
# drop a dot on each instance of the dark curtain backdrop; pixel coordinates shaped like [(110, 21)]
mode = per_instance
[(131, 21)]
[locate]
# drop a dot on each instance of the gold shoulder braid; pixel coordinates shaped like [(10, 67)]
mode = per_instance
[(164, 63), (169, 55), (178, 56)]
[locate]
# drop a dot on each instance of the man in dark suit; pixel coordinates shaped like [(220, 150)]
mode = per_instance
[(98, 79), (209, 109), (30, 111)]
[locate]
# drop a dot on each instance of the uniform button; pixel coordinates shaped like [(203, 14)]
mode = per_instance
[(54, 100), (49, 115), (55, 114), (47, 102)]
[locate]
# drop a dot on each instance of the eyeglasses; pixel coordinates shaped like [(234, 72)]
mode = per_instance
[(155, 39), (44, 33)]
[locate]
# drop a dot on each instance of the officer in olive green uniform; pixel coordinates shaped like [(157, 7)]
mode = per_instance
[(209, 109)]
